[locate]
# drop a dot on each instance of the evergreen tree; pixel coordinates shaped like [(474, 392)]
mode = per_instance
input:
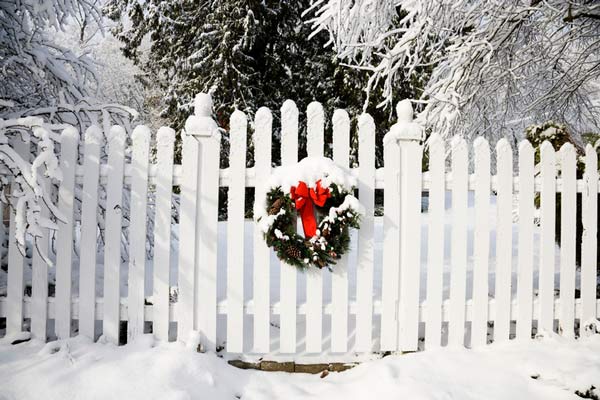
[(247, 54)]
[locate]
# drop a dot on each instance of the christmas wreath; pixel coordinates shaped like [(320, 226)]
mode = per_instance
[(316, 189)]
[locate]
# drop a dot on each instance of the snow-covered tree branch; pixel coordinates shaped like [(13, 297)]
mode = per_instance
[(496, 66)]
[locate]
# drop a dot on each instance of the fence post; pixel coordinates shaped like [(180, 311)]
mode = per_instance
[(204, 130), (69, 145), (409, 135)]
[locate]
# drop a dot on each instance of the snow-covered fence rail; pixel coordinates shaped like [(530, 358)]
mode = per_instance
[(416, 278)]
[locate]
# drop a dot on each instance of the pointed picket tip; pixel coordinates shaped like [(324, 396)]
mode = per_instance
[(165, 136), (481, 143), (525, 145), (546, 147), (141, 134), (434, 139), (238, 118), (314, 108), (70, 133), (436, 145), (289, 106), (340, 117), (263, 116), (591, 160), (503, 146), (93, 135), (366, 126), (117, 134), (481, 150), (589, 149), (590, 152), (458, 142), (567, 148), (203, 105)]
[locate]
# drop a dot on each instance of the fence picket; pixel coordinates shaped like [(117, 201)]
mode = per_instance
[(16, 261), (314, 279), (262, 261), (39, 272), (568, 216), (481, 242), (504, 166), (547, 227), (137, 230), (89, 232), (589, 219), (391, 248), (112, 249), (69, 141), (165, 139), (460, 178), (366, 245), (235, 233), (187, 321), (435, 247), (287, 292), (339, 276), (525, 249)]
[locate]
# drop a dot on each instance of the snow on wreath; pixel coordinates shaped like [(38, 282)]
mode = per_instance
[(321, 193)]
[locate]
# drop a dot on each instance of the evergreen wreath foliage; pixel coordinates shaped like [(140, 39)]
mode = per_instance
[(340, 212)]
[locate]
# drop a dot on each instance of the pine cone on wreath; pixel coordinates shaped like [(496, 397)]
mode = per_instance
[(293, 251), (275, 207)]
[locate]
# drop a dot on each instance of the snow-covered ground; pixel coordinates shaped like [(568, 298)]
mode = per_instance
[(546, 368)]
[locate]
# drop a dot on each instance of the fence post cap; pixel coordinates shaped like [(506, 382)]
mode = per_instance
[(405, 129), (404, 111), (203, 105), (201, 123)]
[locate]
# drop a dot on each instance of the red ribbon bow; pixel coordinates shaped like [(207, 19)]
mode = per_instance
[(304, 199)]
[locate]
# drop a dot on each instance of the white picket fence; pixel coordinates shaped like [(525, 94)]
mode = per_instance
[(394, 320)]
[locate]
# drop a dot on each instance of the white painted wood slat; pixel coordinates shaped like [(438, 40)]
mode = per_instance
[(460, 175), (547, 227), (165, 139), (112, 248), (589, 251), (15, 279), (366, 233), (137, 231), (235, 233), (525, 249), (339, 276), (435, 248), (89, 232), (69, 141), (288, 290), (568, 207), (481, 242), (314, 278), (391, 245), (39, 266), (503, 272), (262, 261)]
